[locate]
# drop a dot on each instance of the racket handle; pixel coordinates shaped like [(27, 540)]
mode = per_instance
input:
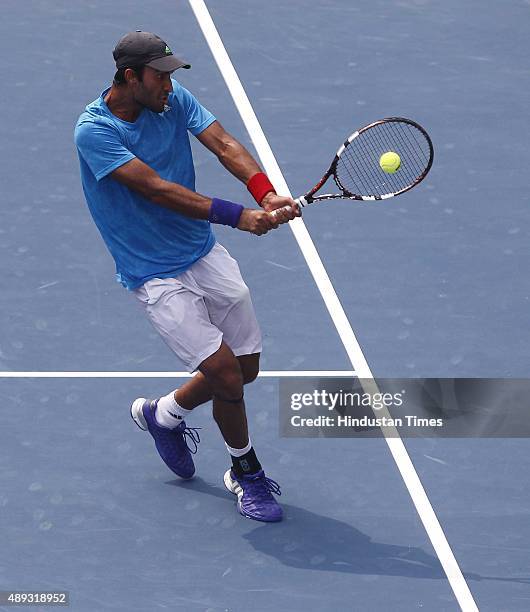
[(301, 201)]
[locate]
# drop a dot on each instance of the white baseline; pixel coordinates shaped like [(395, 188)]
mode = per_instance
[(264, 374)]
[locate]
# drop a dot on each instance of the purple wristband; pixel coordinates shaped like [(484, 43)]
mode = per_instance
[(225, 212)]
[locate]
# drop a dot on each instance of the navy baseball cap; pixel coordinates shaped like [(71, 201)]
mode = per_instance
[(146, 49)]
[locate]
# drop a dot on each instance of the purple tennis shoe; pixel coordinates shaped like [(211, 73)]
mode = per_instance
[(175, 446), (254, 496)]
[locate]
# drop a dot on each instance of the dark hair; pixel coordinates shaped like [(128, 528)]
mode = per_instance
[(119, 77)]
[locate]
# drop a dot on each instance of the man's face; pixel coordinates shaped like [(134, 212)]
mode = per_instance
[(154, 89)]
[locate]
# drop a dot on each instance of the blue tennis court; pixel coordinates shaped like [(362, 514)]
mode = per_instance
[(433, 283)]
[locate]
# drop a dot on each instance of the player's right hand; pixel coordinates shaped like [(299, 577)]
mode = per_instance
[(256, 222)]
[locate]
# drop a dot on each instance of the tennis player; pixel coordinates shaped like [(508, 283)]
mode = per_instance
[(139, 182)]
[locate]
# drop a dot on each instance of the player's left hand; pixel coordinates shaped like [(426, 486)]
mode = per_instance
[(271, 202)]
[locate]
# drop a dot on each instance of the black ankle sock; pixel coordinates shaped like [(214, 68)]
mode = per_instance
[(247, 464)]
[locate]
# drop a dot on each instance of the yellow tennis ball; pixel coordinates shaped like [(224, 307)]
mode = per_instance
[(390, 162)]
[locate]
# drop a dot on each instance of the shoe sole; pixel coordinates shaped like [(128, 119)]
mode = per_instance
[(233, 486), (137, 413)]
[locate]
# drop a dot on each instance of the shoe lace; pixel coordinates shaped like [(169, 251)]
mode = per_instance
[(262, 487), (191, 438)]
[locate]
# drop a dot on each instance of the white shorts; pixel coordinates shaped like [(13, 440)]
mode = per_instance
[(196, 310)]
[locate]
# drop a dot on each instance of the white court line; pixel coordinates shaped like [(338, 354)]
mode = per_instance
[(264, 374), (358, 361)]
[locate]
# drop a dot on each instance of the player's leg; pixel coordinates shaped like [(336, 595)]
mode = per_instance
[(179, 403), (197, 391), (193, 313), (246, 478), (223, 373), (176, 308), (230, 308)]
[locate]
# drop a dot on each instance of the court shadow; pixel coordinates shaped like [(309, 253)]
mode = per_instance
[(307, 540), (199, 485), (310, 541)]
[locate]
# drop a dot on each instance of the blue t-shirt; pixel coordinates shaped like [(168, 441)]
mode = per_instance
[(145, 239)]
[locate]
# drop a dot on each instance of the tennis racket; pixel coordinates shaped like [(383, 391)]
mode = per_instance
[(356, 170)]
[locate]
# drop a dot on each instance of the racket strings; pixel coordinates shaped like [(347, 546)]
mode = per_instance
[(408, 170), (358, 180), (364, 154), (358, 171), (361, 174), (406, 138)]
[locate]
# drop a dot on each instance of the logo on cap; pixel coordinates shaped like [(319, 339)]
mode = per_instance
[(168, 50)]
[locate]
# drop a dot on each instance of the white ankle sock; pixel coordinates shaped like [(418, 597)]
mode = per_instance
[(168, 413), (239, 452)]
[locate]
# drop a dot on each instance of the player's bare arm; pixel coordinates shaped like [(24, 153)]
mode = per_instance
[(140, 177), (238, 161)]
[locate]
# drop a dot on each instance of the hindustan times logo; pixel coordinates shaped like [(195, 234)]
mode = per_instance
[(345, 399)]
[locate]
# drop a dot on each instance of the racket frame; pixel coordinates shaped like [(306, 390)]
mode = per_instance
[(310, 197)]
